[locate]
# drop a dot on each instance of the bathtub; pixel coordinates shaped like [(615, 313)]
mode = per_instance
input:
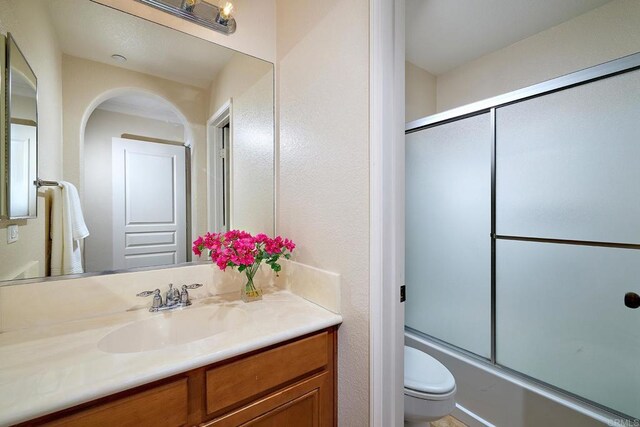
[(491, 396)]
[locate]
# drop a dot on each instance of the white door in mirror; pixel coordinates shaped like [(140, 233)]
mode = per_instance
[(149, 204), (22, 174)]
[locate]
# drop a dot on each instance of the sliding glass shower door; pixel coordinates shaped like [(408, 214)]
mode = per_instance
[(448, 225), (568, 239), (523, 233)]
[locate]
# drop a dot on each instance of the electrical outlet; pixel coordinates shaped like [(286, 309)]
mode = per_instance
[(12, 234)]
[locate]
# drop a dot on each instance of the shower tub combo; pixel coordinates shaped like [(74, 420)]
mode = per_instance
[(524, 213)]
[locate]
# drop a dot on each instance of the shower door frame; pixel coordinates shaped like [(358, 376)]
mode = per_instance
[(588, 75)]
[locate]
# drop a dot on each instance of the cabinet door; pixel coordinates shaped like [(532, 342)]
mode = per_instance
[(568, 163), (164, 405), (448, 223), (561, 319), (232, 384), (305, 404)]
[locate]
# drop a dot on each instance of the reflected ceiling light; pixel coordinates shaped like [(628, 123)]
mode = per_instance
[(189, 5), (119, 58), (215, 15), (224, 12)]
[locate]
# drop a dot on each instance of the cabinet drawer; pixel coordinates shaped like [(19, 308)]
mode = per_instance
[(256, 375), (164, 405), (305, 404)]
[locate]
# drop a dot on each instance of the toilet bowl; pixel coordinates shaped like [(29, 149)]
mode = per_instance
[(429, 388)]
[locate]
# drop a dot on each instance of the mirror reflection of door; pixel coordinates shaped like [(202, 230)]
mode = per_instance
[(135, 184), (225, 149), (219, 143), (149, 204), (23, 164)]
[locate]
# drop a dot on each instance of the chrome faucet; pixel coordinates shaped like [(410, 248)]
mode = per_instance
[(173, 298)]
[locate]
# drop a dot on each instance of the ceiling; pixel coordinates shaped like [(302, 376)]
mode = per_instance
[(444, 34), (141, 105), (88, 30)]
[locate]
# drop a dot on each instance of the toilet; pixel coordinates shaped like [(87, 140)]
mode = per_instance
[(429, 389)]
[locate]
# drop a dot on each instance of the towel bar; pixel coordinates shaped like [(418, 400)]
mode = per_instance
[(44, 183)]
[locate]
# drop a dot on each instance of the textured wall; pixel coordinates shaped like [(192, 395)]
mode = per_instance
[(252, 167), (29, 23), (323, 197), (236, 77), (605, 33), (249, 83), (420, 92)]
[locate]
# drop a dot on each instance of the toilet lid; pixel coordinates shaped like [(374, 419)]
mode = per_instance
[(425, 374)]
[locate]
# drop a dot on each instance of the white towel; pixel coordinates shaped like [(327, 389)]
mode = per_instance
[(67, 230)]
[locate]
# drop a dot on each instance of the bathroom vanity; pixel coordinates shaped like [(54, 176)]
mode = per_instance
[(270, 362), (291, 383)]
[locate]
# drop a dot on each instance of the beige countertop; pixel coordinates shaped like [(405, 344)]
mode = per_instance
[(47, 369)]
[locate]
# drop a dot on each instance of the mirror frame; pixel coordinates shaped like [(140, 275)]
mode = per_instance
[(4, 159), (33, 173)]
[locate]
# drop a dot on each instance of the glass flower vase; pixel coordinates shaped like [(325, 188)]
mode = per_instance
[(250, 292)]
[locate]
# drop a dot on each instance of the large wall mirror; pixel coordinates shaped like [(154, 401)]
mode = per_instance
[(146, 138)]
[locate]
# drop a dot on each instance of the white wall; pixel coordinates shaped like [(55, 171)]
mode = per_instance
[(235, 78), (29, 23), (420, 92), (252, 167), (323, 196), (603, 34), (248, 82), (22, 107), (102, 126)]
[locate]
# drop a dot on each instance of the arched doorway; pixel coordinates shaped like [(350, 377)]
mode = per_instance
[(135, 151)]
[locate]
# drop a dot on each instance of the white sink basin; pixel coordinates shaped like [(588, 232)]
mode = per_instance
[(172, 328)]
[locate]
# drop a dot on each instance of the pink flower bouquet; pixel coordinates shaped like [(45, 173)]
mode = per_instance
[(240, 249)]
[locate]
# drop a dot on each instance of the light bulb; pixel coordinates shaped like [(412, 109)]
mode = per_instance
[(189, 5), (226, 7)]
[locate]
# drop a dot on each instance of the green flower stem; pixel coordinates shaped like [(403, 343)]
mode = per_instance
[(251, 272)]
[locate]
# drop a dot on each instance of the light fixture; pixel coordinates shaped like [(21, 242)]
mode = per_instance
[(119, 58), (216, 16)]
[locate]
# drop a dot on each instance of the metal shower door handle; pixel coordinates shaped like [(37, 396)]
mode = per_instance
[(632, 300)]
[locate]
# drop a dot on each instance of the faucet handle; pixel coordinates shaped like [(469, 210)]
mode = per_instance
[(148, 293), (157, 299), (184, 295)]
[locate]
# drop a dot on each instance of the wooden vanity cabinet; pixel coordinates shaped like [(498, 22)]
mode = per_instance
[(301, 365), (300, 405), (288, 384)]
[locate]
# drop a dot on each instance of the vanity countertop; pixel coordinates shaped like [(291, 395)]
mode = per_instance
[(47, 369)]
